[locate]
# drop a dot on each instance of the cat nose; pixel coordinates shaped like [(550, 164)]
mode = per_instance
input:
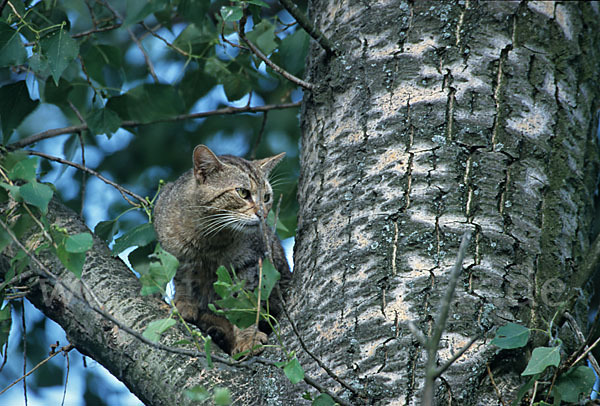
[(264, 210)]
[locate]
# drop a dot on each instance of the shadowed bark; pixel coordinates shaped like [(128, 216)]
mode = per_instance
[(441, 117)]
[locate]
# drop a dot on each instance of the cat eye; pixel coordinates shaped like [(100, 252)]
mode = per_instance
[(267, 197), (243, 193)]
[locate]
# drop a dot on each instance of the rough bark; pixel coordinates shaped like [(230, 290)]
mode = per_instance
[(441, 117), (155, 376)]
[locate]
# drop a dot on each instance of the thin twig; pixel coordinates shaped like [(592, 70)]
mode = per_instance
[(439, 371), (125, 124), (5, 355), (146, 57), (266, 60), (80, 136), (309, 27), (136, 40), (498, 393), (83, 177), (434, 340), (585, 353), (66, 380), (329, 372), (24, 350), (66, 348), (417, 333), (95, 30), (167, 43), (120, 188)]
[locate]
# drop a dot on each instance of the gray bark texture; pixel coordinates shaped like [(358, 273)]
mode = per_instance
[(155, 376), (437, 118)]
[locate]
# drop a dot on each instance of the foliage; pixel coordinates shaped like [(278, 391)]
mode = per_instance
[(570, 383), (124, 83)]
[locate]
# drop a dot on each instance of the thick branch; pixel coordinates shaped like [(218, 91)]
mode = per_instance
[(155, 376)]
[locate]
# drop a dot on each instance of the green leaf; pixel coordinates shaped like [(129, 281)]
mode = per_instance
[(575, 382), (15, 105), (323, 400), (72, 261), (292, 52), (511, 336), (222, 396), (194, 85), (61, 50), (106, 229), (5, 324), (79, 243), (37, 194), (141, 235), (269, 279), (103, 121), (162, 269), (197, 393), (12, 50), (224, 276), (541, 358), (256, 2), (231, 13), (236, 86), (39, 64), (102, 60), (57, 94), (25, 170), (140, 260), (194, 10), (263, 35), (195, 39), (148, 103), (155, 328), (293, 370), (139, 10)]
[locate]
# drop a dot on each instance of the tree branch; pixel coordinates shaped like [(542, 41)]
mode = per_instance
[(433, 343), (309, 27), (83, 168), (127, 356), (126, 124), (266, 60)]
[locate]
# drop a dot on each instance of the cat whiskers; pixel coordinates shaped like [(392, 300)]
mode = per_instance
[(214, 223)]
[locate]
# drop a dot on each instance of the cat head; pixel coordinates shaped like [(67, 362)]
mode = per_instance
[(232, 193)]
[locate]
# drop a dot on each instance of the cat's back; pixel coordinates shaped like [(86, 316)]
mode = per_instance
[(170, 221)]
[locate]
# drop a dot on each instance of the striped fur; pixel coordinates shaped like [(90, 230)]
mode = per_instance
[(210, 216)]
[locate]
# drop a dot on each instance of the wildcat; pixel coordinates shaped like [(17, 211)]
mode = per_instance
[(210, 216)]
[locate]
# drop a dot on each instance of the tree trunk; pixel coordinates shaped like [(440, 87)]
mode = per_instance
[(440, 118)]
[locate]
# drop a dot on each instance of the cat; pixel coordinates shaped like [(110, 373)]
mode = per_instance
[(210, 216)]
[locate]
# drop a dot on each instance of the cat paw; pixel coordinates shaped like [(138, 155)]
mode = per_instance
[(248, 339), (188, 310)]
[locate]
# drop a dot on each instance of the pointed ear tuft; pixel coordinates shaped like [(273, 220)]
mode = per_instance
[(205, 162), (267, 164)]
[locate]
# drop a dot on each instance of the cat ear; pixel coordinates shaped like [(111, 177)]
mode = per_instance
[(267, 164), (205, 162)]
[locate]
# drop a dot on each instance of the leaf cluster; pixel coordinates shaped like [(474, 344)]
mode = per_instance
[(570, 387)]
